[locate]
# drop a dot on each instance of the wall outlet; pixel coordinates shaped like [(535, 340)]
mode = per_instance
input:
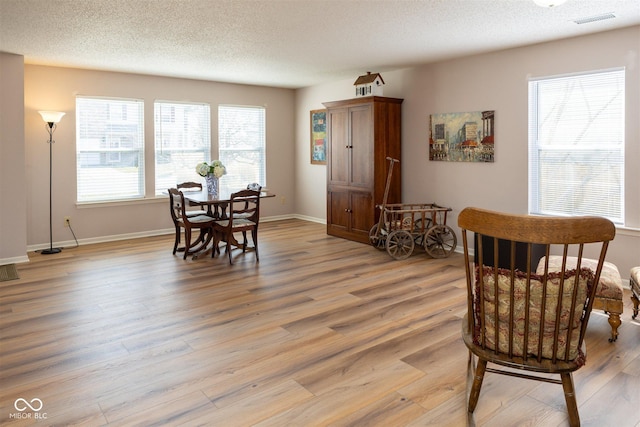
[(282, 200), (67, 221)]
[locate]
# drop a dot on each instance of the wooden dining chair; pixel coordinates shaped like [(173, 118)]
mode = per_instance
[(523, 321), (194, 208), (202, 223), (255, 187), (243, 217)]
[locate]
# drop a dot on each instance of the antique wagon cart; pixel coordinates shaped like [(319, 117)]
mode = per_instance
[(402, 226)]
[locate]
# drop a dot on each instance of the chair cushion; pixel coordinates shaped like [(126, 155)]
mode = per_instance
[(635, 274), (585, 282), (198, 219), (237, 222), (610, 284)]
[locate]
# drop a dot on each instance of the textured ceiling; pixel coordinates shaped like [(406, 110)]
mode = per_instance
[(284, 43)]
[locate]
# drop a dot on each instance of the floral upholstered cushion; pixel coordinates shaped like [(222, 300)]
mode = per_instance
[(610, 283), (552, 299), (635, 274)]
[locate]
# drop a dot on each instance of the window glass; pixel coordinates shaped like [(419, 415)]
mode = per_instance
[(182, 140), (576, 145), (109, 149), (241, 138)]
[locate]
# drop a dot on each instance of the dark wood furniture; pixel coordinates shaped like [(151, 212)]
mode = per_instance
[(244, 216), (188, 187), (182, 220), (361, 134), (217, 205), (634, 283), (521, 258), (524, 321)]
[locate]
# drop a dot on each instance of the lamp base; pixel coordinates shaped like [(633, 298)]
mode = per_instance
[(51, 251)]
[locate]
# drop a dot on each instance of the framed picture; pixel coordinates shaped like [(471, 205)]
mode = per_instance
[(318, 137), (462, 137)]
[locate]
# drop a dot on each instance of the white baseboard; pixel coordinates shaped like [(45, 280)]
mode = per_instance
[(14, 260), (127, 236)]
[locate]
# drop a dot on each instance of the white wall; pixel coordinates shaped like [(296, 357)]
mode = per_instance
[(493, 81), (13, 197), (52, 88)]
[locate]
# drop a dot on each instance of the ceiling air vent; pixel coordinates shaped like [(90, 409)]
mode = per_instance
[(602, 17)]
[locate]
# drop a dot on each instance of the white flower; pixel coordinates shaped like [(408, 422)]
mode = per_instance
[(216, 168)]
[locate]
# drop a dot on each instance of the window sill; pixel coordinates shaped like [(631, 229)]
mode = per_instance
[(125, 202), (628, 231)]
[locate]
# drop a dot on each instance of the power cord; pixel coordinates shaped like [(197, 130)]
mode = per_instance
[(74, 234)]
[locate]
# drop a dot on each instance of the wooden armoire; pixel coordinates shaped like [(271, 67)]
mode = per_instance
[(361, 134)]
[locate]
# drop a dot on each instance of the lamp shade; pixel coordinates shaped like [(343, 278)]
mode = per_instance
[(549, 3), (51, 116)]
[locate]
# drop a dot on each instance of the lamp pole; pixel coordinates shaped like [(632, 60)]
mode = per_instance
[(51, 118), (51, 250)]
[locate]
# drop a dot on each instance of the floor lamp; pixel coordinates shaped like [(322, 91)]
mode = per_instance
[(51, 118)]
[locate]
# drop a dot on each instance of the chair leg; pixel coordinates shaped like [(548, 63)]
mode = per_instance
[(177, 241), (254, 237), (244, 241), (216, 244), (477, 384), (187, 242), (229, 247), (614, 322), (570, 398)]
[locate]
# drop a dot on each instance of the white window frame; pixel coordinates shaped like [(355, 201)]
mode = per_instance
[(182, 140), (109, 149), (577, 144), (242, 145)]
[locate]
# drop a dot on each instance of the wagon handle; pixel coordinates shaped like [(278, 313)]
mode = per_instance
[(388, 184), (386, 193)]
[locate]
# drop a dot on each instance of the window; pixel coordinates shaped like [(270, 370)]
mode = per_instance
[(576, 145), (182, 140), (109, 149), (241, 138)]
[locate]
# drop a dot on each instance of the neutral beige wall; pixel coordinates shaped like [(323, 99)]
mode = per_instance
[(494, 81), (53, 88), (13, 198)]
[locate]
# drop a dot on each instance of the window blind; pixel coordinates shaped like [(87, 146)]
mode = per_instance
[(241, 139), (109, 149), (576, 145), (182, 140)]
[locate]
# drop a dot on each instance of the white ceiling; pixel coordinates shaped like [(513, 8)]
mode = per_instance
[(284, 43)]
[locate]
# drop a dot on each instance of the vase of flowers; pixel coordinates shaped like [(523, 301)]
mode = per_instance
[(212, 173)]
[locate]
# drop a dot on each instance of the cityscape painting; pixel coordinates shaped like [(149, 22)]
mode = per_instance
[(462, 137)]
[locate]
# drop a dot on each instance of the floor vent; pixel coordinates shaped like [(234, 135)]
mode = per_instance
[(8, 272), (595, 18)]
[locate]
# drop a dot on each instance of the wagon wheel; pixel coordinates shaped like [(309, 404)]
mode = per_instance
[(440, 241), (378, 240), (400, 244), (418, 229)]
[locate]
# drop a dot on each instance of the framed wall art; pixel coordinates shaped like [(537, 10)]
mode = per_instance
[(462, 137), (318, 137)]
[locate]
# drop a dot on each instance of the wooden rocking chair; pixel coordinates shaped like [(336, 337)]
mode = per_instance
[(526, 321)]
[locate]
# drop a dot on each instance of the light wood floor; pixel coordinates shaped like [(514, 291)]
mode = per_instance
[(323, 331)]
